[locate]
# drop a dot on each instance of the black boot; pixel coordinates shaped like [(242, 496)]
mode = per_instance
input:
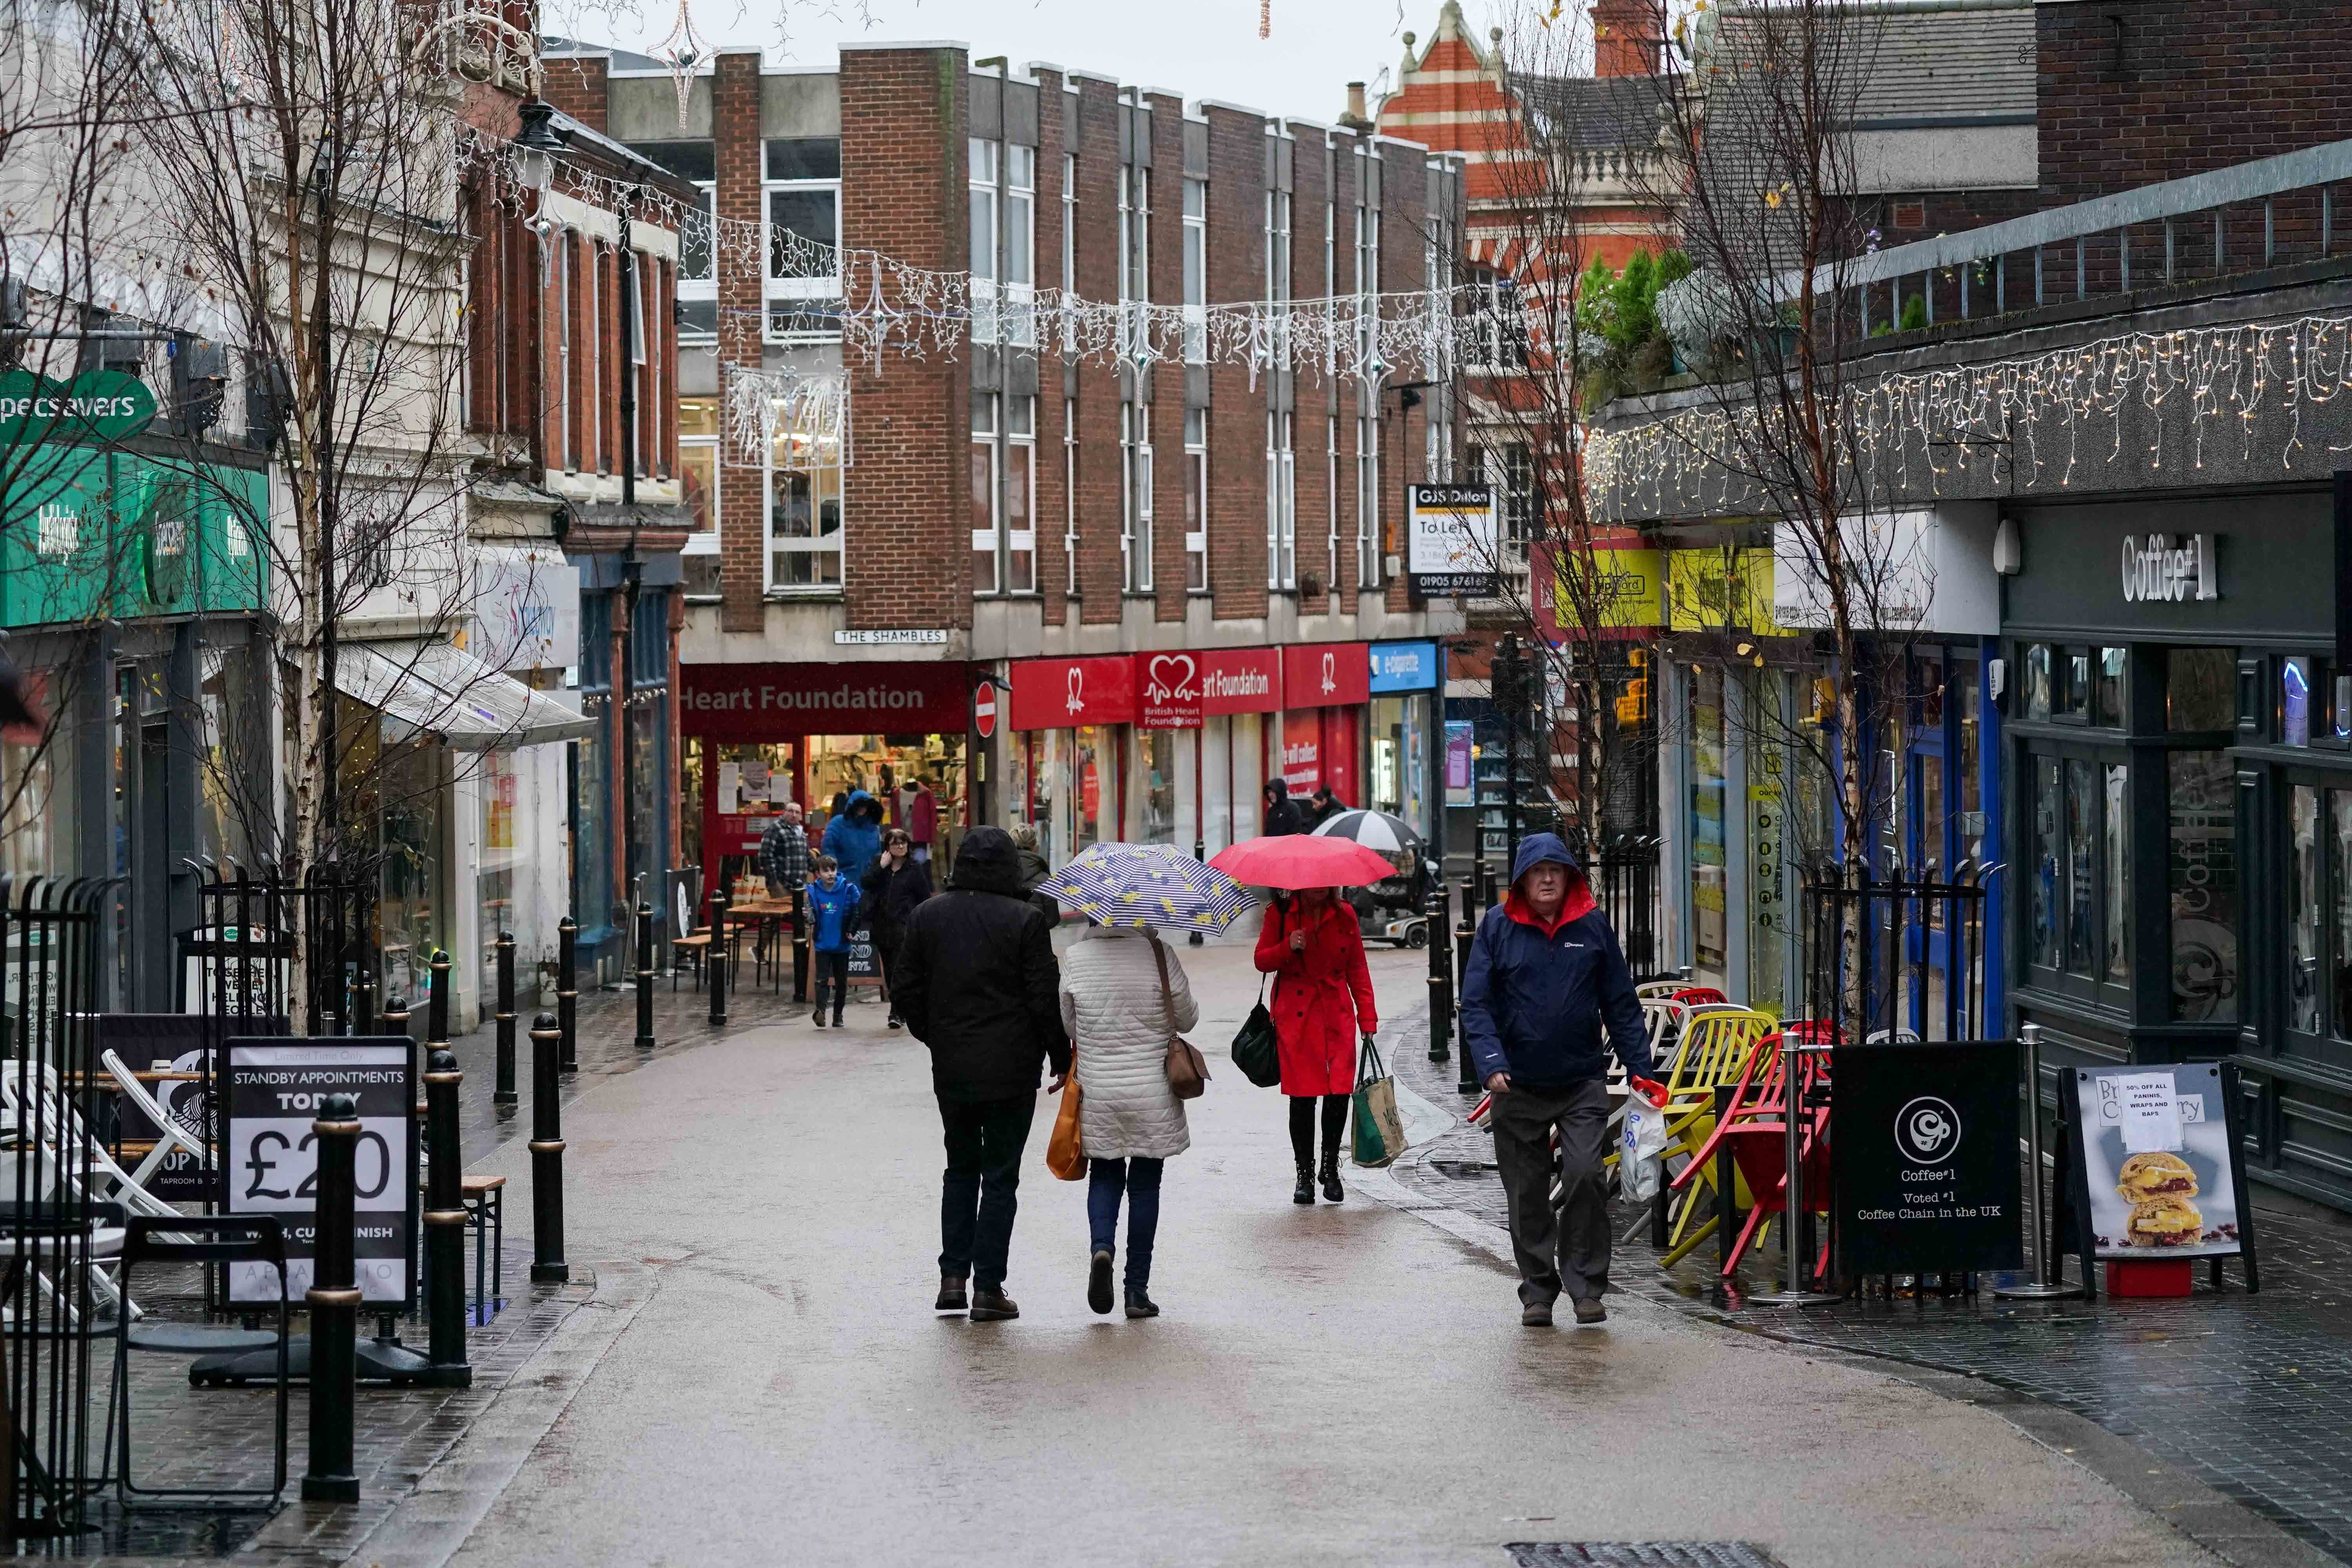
[(1332, 1191), (1305, 1192)]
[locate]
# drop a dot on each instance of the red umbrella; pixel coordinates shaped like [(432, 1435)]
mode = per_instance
[(1302, 860)]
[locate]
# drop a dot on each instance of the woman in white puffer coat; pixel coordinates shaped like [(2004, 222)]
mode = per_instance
[(1119, 1021)]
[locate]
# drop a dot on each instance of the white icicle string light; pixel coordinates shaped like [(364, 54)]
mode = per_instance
[(1913, 428), (758, 407), (888, 307)]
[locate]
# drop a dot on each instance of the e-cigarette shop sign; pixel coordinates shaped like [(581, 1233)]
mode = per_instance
[(1925, 1140)]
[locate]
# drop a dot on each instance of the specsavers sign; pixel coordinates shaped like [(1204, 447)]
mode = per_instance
[(100, 406)]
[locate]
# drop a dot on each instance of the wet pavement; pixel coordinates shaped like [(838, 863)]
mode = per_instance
[(1334, 1384), (2251, 1393)]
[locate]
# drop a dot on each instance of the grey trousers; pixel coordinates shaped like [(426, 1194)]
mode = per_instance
[(1568, 1248)]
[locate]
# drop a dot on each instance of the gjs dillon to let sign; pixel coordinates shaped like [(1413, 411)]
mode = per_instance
[(1924, 1141)]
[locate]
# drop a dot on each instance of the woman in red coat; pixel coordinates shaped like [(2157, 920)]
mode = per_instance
[(1322, 1006)]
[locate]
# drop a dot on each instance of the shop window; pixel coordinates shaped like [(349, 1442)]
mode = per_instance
[(2082, 841), (2037, 681), (2116, 843), (2306, 911), (1196, 271), (1156, 751), (1709, 864), (2201, 882), (2073, 698), (2199, 688), (1004, 523), (1967, 697), (2339, 705), (2339, 875), (2107, 688), (2294, 702)]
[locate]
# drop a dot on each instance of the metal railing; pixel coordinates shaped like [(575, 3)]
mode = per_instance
[(2271, 212), (1901, 958)]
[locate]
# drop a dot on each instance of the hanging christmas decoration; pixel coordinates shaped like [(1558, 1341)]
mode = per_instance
[(2038, 415), (682, 51)]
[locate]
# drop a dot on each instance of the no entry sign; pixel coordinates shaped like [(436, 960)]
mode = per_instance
[(983, 710), (1923, 1143)]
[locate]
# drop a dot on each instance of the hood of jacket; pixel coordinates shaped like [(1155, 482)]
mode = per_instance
[(987, 862), (863, 806), (1547, 849)]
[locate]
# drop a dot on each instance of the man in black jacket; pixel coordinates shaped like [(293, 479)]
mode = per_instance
[(976, 982)]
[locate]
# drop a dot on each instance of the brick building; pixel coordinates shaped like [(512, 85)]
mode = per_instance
[(1128, 553)]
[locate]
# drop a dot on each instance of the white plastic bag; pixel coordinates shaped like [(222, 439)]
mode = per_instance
[(1639, 1145)]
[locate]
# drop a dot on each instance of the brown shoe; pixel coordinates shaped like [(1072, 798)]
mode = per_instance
[(992, 1306), (951, 1298), (1536, 1315), (1588, 1310)]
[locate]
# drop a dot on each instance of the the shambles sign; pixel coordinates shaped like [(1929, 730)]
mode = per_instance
[(276, 1090), (1924, 1141), (98, 406)]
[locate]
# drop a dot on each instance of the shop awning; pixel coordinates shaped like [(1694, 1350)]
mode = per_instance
[(433, 690)]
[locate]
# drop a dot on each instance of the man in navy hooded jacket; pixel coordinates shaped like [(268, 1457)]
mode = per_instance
[(1546, 978)]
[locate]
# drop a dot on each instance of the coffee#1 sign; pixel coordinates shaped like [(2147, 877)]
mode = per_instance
[(1452, 540), (1925, 1143)]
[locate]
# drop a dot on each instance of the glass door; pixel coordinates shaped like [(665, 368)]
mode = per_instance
[(2078, 866)]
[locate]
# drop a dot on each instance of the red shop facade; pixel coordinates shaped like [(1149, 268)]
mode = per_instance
[(757, 736), (1174, 747)]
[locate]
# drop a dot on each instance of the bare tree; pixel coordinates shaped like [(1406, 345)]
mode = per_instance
[(1563, 161), (1756, 106)]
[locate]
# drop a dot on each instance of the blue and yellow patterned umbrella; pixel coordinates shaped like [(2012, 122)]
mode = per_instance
[(1148, 885)]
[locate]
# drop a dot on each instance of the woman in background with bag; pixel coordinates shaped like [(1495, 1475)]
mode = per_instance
[(1124, 999), (1323, 1006)]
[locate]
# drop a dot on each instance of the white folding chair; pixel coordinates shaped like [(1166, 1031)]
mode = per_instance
[(169, 1136)]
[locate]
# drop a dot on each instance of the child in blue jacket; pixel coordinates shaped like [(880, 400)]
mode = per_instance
[(832, 907)]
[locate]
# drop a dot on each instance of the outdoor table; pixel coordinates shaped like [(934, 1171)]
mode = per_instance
[(767, 914)]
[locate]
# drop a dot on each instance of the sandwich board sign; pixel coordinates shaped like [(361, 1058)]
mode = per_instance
[(2157, 1165), (276, 1089), (1924, 1137)]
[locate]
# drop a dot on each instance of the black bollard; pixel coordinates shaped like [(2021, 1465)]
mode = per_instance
[(546, 1156), (437, 1007), (800, 936), (1441, 972), (444, 1225), (502, 1092), (717, 957), (645, 976), (1465, 930), (334, 1303), (567, 990)]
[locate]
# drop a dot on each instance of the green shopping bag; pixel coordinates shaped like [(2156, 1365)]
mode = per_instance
[(1379, 1135)]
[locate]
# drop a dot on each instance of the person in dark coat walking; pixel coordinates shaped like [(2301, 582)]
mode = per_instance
[(1322, 1008), (1546, 978), (976, 982), (1282, 814), (893, 884), (1033, 869)]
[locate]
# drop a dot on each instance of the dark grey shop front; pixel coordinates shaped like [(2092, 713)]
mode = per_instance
[(2182, 755)]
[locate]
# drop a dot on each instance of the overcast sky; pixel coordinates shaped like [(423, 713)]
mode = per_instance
[(1198, 49)]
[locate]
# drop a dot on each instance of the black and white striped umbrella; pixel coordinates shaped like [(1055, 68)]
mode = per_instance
[(1375, 830)]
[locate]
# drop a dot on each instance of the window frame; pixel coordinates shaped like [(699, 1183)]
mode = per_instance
[(797, 293), (1196, 501)]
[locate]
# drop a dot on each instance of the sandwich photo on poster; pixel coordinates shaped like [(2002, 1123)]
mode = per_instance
[(2156, 1161)]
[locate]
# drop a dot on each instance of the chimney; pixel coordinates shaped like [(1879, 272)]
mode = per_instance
[(1626, 38), (1355, 118)]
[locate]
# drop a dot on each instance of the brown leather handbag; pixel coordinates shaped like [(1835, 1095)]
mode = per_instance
[(1187, 1074)]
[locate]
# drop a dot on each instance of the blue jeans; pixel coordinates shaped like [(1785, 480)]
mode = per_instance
[(1140, 1179)]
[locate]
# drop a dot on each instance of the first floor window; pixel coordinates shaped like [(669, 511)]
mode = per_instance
[(1368, 502), (1135, 495), (804, 507), (1281, 504), (1511, 472), (1196, 499), (1004, 523), (1331, 503)]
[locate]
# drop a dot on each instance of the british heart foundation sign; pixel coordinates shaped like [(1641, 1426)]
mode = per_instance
[(1071, 693), (1326, 675), (1171, 684)]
